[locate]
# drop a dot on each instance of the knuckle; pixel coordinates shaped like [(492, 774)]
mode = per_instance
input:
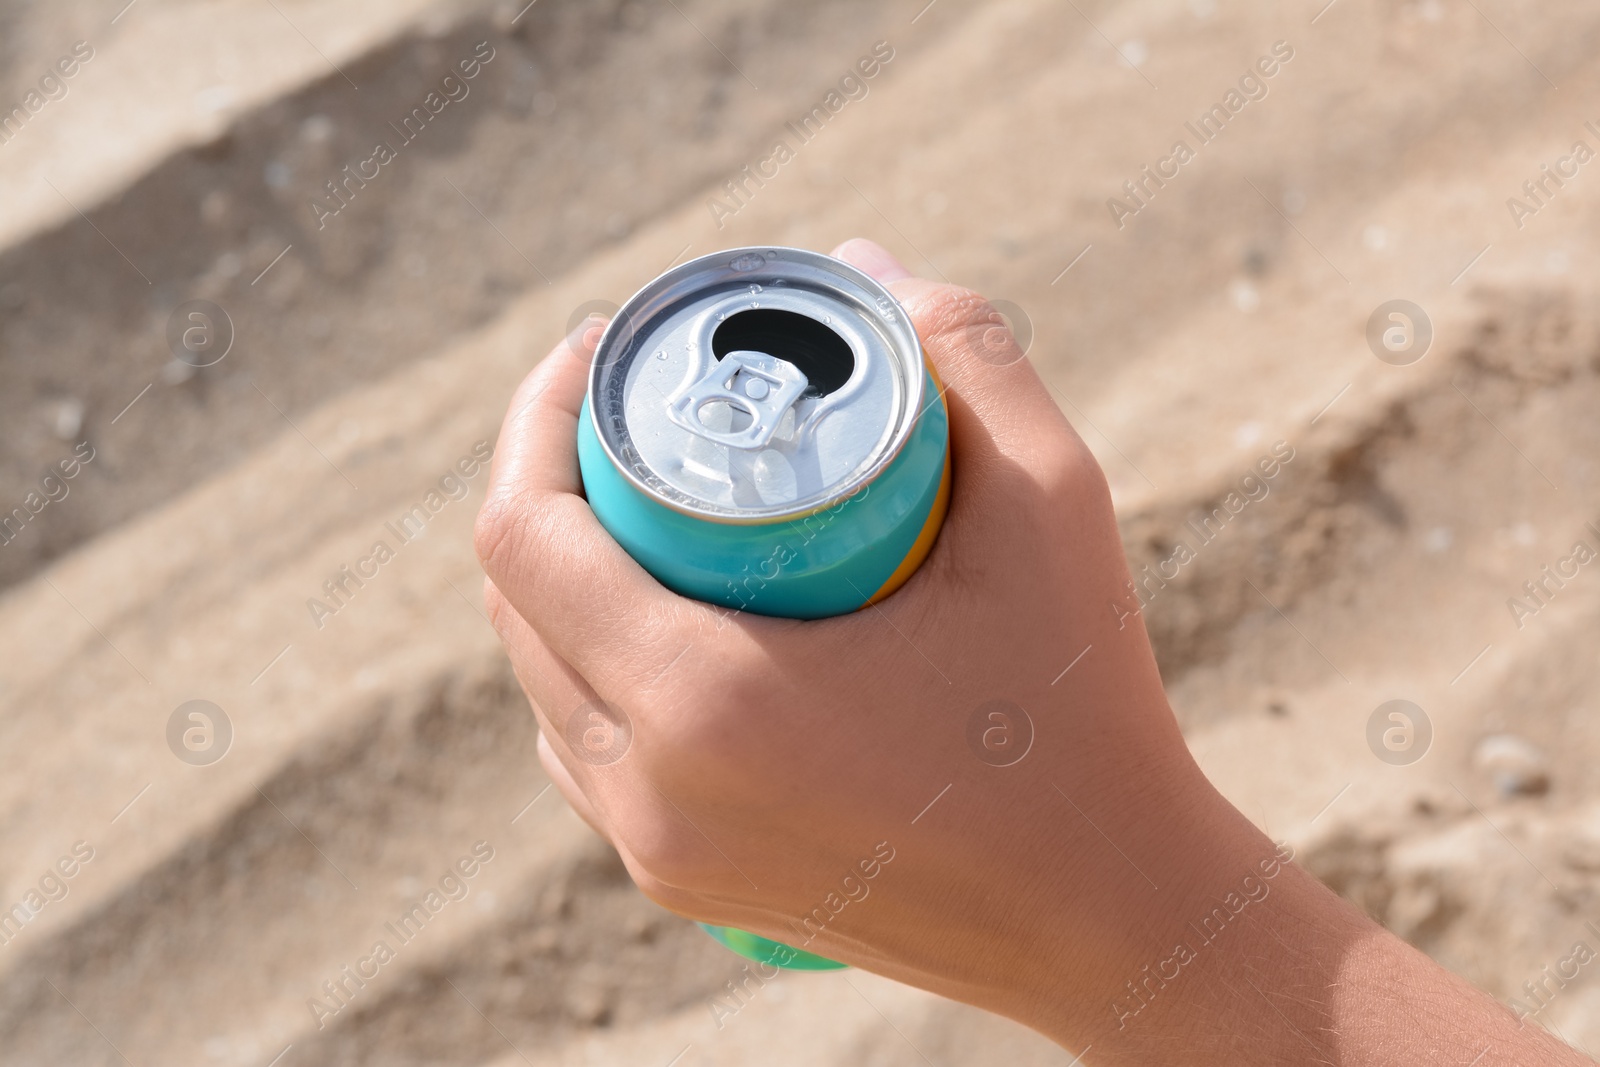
[(513, 540), (495, 525), (495, 605), (961, 327), (671, 855), (947, 315), (1065, 471), (655, 890), (671, 897)]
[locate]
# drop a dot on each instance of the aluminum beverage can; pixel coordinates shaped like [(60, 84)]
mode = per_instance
[(763, 431)]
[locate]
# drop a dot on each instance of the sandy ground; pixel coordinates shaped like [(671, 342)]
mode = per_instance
[(1228, 313)]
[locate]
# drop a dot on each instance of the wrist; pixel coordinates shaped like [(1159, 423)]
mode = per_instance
[(1144, 966)]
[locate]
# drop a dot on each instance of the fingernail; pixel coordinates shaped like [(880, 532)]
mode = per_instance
[(586, 334), (871, 258), (584, 338)]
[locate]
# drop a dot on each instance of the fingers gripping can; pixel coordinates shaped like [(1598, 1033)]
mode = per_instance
[(763, 431)]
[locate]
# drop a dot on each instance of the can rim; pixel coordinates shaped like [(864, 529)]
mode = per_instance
[(899, 328)]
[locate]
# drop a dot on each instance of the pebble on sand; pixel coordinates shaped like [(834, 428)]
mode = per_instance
[(1515, 765)]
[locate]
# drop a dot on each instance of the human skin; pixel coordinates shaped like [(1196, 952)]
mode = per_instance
[(768, 757)]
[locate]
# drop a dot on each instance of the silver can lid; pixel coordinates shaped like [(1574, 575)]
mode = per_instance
[(756, 384)]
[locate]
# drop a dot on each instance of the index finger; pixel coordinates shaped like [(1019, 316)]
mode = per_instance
[(541, 545)]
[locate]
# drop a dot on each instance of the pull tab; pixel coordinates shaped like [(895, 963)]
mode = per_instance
[(760, 386)]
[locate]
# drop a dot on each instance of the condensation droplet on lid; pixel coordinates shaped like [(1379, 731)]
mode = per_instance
[(662, 354), (754, 288)]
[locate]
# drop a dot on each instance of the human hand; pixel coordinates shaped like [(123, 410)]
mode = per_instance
[(769, 758)]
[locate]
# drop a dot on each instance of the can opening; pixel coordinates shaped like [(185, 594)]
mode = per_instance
[(822, 355)]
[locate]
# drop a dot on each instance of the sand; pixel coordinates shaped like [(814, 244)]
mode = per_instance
[(1226, 313)]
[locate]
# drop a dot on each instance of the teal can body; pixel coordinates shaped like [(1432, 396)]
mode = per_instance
[(830, 562), (763, 432)]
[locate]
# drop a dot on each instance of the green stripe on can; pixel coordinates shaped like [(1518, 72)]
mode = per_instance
[(773, 953)]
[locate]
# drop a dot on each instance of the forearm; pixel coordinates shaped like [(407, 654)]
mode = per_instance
[(1391, 1004), (1280, 970)]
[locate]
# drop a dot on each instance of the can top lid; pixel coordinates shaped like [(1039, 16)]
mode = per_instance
[(756, 384)]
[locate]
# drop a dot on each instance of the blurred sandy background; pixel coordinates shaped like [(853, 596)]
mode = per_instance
[(373, 748)]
